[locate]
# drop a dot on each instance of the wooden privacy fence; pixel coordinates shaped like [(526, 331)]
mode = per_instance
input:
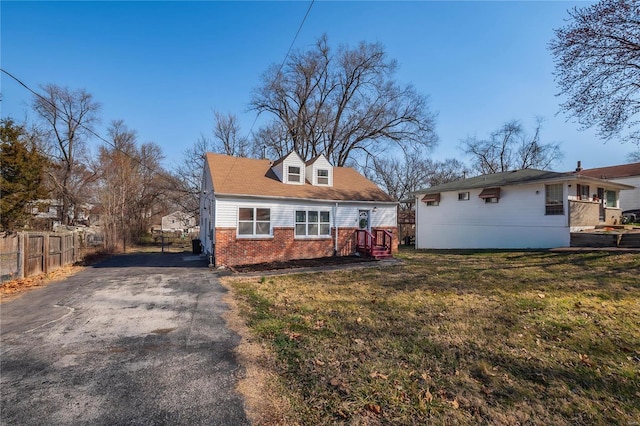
[(26, 254)]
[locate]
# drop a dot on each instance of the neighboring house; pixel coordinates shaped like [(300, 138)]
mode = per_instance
[(254, 211), (514, 210), (628, 174), (178, 221), (46, 212)]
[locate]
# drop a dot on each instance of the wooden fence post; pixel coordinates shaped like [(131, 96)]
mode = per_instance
[(76, 243), (45, 252), (22, 255)]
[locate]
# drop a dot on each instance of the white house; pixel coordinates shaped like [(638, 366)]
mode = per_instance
[(178, 221), (628, 174), (254, 211), (514, 210)]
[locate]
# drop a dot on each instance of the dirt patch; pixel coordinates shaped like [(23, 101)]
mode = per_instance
[(303, 263), (260, 385)]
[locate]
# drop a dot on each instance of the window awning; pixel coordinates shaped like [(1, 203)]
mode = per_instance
[(490, 193), (431, 197)]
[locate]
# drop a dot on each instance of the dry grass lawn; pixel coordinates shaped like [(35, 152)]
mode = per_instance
[(499, 338)]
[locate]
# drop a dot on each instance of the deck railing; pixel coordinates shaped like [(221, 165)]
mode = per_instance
[(376, 240)]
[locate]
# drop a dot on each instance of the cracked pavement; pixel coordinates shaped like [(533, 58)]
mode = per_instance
[(135, 339)]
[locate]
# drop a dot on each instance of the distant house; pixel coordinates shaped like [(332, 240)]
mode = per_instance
[(178, 221), (254, 211), (628, 174), (46, 213), (514, 210)]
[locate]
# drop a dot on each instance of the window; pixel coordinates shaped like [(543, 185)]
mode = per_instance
[(254, 221), (463, 196), (322, 177), (293, 174), (431, 199), (553, 199), (583, 192), (490, 195), (312, 223), (612, 199)]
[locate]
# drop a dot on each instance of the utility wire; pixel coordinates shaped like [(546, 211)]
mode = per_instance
[(284, 60), (88, 129)]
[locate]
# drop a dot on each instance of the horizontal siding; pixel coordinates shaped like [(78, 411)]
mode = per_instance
[(320, 163), (492, 237), (518, 220), (630, 198), (283, 214)]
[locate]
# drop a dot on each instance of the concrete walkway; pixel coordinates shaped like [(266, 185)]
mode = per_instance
[(137, 339)]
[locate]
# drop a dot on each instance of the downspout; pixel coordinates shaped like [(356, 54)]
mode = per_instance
[(568, 212), (335, 226)]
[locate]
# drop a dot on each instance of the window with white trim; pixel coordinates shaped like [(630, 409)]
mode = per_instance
[(463, 196), (553, 199), (313, 223), (322, 176), (293, 174), (612, 198), (254, 221)]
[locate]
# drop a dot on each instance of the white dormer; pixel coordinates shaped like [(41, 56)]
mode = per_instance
[(290, 169), (319, 171)]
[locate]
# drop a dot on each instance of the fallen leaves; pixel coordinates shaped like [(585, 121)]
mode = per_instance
[(584, 358), (471, 349), (376, 375), (374, 408), (15, 287)]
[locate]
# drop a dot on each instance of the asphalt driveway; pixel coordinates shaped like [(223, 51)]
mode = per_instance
[(137, 340)]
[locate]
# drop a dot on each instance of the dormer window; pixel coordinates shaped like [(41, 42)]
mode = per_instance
[(323, 177), (293, 174)]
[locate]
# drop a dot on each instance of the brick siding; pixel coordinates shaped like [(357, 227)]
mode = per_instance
[(232, 251)]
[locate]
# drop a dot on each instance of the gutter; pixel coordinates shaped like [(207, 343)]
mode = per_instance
[(317, 200)]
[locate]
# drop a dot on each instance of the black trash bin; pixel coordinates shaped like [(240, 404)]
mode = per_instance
[(197, 247)]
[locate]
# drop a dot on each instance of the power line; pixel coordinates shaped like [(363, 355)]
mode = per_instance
[(284, 60), (87, 129)]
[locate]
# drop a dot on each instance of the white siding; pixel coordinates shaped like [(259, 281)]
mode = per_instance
[(629, 198), (320, 163), (207, 211), (290, 160), (283, 212), (518, 220)]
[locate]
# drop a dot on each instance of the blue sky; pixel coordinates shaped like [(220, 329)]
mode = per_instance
[(164, 67)]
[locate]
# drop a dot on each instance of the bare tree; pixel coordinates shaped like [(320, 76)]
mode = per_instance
[(70, 116), (117, 182), (634, 157), (449, 170), (344, 104), (511, 148), (597, 57), (398, 177), (228, 139), (131, 189), (151, 198), (187, 176)]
